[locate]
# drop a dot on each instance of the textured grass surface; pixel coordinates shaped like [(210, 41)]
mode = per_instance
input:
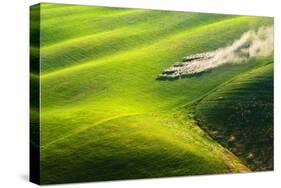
[(103, 113), (246, 126)]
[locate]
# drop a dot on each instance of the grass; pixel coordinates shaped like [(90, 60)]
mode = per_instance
[(246, 125), (104, 115)]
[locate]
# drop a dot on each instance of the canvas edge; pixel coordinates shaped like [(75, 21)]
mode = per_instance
[(34, 101)]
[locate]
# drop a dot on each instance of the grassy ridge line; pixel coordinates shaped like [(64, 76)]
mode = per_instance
[(196, 101), (231, 160), (47, 7), (94, 12), (132, 68), (77, 18), (68, 19), (58, 116), (58, 10), (115, 41), (53, 10), (63, 27), (69, 10), (177, 148), (156, 18), (75, 113), (138, 51), (263, 63), (85, 128), (90, 25), (123, 65), (89, 111), (97, 13), (247, 121)]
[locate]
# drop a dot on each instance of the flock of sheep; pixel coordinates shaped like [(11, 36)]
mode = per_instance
[(187, 67)]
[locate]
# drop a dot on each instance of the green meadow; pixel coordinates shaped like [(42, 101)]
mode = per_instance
[(105, 116)]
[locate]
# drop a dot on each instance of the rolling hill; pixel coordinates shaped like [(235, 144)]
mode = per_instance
[(105, 116), (246, 125)]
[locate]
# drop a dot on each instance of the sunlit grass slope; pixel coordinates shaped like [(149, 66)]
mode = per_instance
[(105, 116)]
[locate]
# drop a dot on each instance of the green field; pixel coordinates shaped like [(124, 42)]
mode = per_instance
[(104, 116)]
